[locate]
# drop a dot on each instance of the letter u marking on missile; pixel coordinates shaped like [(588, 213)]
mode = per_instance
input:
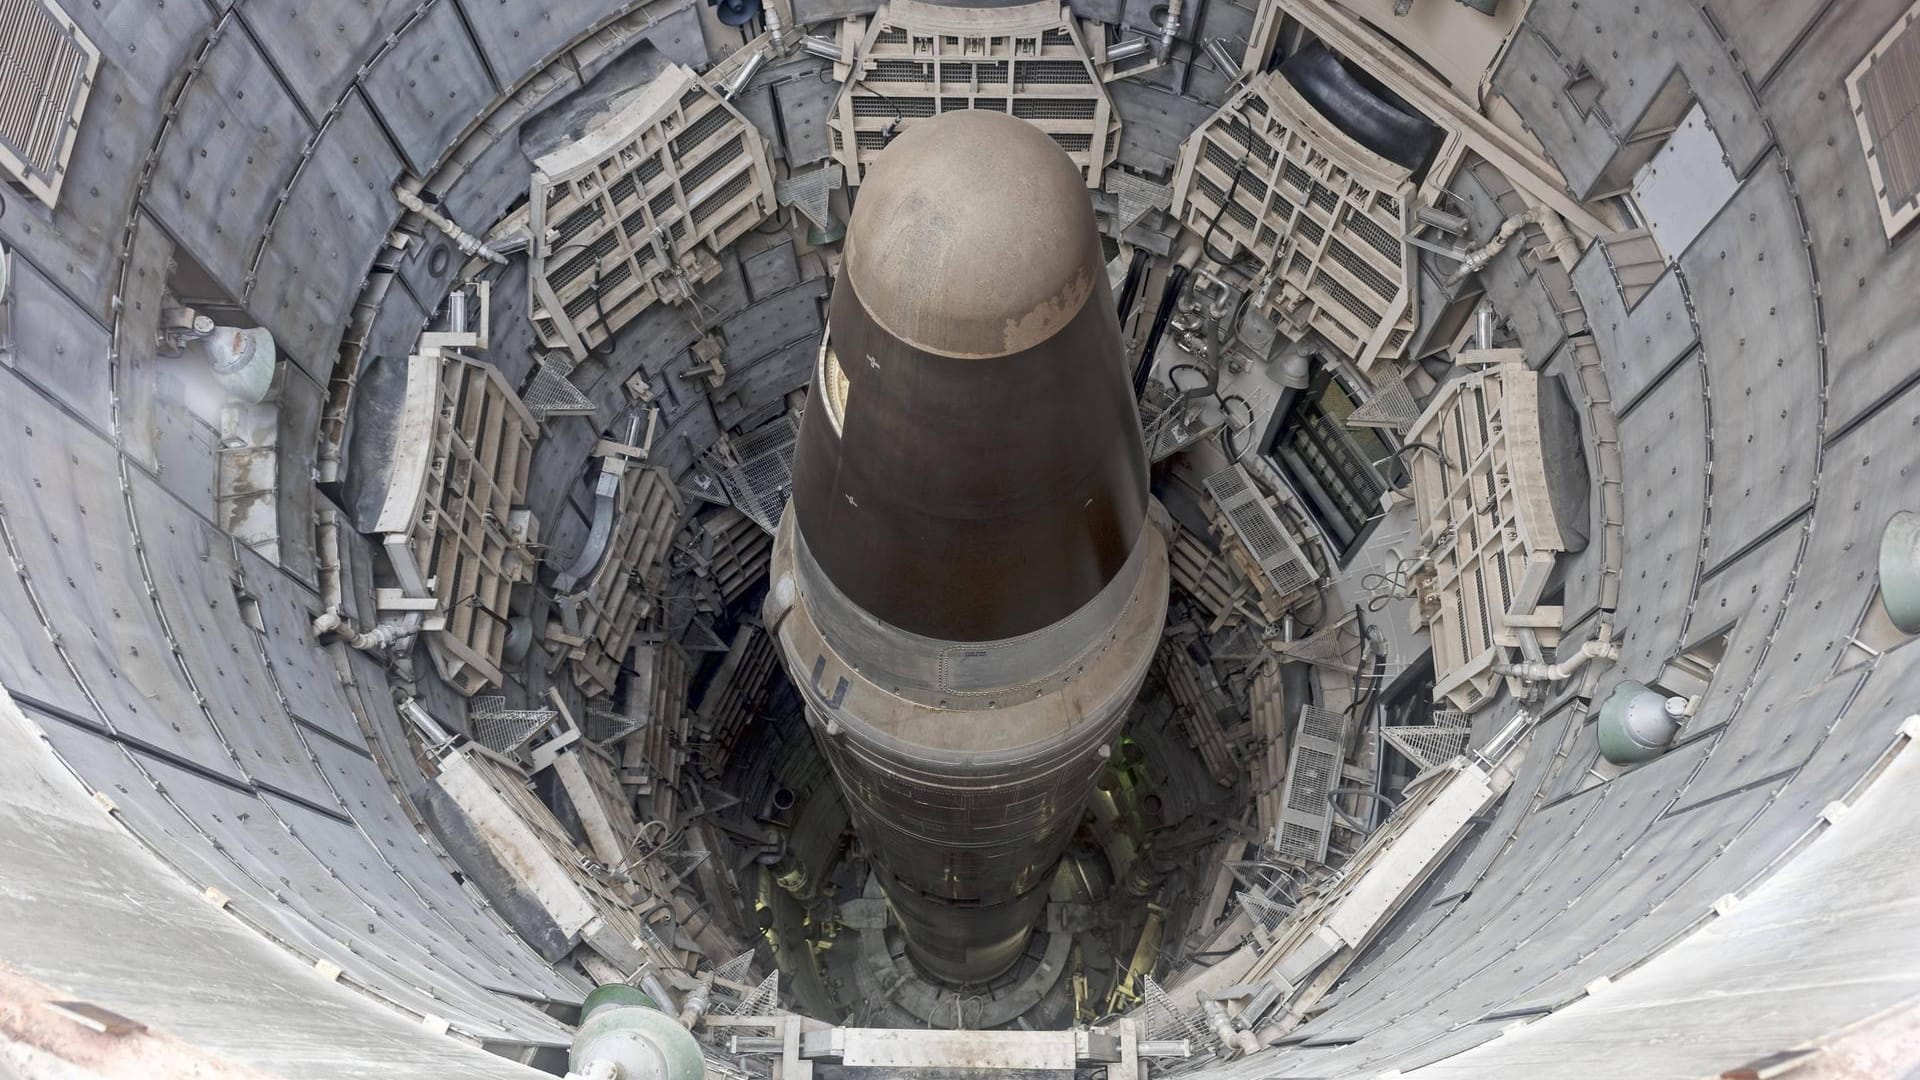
[(839, 689)]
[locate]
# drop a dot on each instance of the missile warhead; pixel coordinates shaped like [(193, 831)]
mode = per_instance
[(965, 585), (976, 471)]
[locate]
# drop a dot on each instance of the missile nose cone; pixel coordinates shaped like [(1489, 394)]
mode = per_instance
[(973, 470), (973, 237)]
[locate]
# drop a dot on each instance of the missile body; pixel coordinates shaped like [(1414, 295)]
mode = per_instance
[(965, 586)]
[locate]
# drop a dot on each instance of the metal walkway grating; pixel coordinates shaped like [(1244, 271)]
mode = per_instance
[(757, 471), (1166, 1020), (1391, 407), (736, 969), (1428, 745), (552, 393), (764, 998), (504, 730)]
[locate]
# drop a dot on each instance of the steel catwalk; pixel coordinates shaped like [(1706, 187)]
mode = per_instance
[(966, 586)]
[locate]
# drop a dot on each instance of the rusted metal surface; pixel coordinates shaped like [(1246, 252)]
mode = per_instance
[(44, 1036)]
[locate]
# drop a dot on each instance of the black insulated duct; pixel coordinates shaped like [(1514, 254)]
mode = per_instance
[(1362, 109), (1176, 280)]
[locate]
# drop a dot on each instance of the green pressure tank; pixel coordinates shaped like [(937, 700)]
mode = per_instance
[(1900, 571), (1636, 724), (622, 1036), (612, 995)]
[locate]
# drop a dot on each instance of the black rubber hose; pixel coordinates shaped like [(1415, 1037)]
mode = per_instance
[(1296, 686), (1362, 704), (1130, 286), (1176, 281), (1226, 433), (1364, 114)]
